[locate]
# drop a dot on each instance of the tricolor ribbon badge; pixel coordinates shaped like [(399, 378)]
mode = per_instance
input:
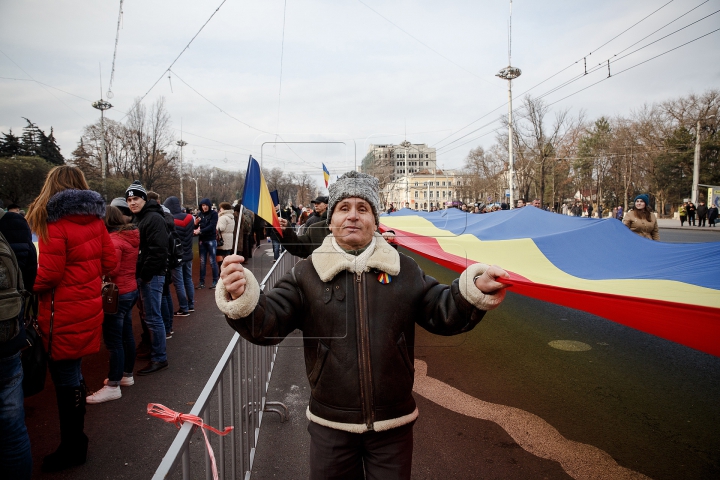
[(384, 278)]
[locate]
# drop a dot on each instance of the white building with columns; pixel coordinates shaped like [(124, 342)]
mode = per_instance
[(423, 190)]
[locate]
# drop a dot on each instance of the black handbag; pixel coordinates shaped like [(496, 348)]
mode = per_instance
[(34, 357), (219, 239), (110, 293)]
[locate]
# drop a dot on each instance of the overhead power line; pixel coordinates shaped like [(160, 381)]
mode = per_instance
[(43, 86), (117, 37), (215, 105), (587, 87), (556, 74), (182, 51), (423, 43), (579, 76)]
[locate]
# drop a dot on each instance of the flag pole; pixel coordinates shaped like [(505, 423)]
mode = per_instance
[(237, 233)]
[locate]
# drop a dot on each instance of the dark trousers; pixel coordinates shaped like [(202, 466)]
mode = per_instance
[(335, 454)]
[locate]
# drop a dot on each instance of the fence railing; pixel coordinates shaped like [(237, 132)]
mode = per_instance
[(239, 385)]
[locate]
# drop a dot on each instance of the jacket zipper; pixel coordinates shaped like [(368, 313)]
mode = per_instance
[(366, 393)]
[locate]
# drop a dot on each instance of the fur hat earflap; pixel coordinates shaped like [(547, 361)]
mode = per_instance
[(355, 184)]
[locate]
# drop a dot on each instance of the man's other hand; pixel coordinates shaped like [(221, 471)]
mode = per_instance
[(487, 282)]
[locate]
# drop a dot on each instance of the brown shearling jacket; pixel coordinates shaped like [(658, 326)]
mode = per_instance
[(358, 331)]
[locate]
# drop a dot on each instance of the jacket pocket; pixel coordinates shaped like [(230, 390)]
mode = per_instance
[(322, 351), (402, 346)]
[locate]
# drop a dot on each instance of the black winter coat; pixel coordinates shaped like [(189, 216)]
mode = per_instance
[(359, 333), (303, 245), (184, 226), (17, 232), (702, 211), (152, 259), (208, 224)]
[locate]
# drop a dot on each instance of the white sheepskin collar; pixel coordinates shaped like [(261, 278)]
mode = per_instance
[(328, 262)]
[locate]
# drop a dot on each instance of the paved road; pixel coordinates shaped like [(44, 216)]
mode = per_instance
[(126, 443), (629, 406)]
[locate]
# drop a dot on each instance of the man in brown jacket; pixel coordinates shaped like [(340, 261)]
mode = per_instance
[(357, 301)]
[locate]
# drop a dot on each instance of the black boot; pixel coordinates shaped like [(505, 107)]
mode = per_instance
[(73, 441)]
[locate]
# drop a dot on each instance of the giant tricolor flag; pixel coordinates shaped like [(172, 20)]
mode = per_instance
[(670, 290), (326, 175), (256, 196)]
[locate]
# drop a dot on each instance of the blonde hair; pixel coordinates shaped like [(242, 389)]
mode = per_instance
[(63, 177)]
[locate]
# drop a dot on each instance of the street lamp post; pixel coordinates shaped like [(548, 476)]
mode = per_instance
[(510, 73), (197, 199), (102, 105), (696, 161), (405, 144), (180, 143)]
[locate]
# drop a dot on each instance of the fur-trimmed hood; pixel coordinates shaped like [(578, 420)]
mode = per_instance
[(328, 262), (75, 202)]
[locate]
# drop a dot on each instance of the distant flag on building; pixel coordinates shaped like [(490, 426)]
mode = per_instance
[(326, 175), (256, 196)]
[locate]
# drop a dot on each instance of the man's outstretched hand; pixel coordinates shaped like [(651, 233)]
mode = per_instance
[(232, 274), (487, 282)]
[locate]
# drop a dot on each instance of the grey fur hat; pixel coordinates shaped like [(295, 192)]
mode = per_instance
[(355, 184)]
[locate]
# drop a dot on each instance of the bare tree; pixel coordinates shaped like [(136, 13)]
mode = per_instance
[(150, 140)]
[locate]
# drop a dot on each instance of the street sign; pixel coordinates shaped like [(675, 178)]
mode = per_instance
[(507, 192)]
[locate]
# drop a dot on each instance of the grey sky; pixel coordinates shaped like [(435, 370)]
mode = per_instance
[(347, 74)]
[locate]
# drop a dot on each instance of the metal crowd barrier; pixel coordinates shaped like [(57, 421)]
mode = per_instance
[(239, 384)]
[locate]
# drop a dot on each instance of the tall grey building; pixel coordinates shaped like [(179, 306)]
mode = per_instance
[(404, 159)]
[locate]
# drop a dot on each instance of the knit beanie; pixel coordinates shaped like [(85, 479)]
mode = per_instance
[(355, 184), (644, 198), (136, 190)]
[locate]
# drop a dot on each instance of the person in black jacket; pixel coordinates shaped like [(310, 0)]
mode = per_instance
[(702, 211), (182, 274), (15, 454), (320, 213), (358, 352), (151, 270), (206, 223)]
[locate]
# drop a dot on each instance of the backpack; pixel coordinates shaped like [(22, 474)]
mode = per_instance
[(175, 250), (12, 292), (175, 247)]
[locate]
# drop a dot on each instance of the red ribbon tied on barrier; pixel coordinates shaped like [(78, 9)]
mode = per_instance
[(176, 418)]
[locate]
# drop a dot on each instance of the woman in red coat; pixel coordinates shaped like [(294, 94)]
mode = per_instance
[(75, 251), (117, 327)]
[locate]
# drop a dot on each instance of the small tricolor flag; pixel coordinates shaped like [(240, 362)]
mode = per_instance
[(384, 278), (256, 196), (326, 175)]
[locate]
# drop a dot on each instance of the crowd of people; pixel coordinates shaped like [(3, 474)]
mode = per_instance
[(138, 243), (639, 219)]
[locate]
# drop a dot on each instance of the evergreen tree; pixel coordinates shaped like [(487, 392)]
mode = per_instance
[(9, 145), (49, 149), (83, 159), (30, 140)]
